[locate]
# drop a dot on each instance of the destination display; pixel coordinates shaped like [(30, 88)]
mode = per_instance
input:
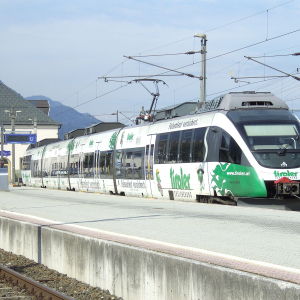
[(20, 138)]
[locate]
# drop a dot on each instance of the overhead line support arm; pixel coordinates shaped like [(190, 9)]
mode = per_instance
[(295, 77), (187, 74)]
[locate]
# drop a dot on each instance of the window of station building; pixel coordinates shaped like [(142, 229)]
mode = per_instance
[(229, 150), (173, 147), (198, 145), (185, 146), (161, 148)]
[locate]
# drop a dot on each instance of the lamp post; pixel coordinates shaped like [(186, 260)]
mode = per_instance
[(13, 113), (34, 124)]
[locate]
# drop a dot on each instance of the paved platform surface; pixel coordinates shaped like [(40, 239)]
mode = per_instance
[(260, 241)]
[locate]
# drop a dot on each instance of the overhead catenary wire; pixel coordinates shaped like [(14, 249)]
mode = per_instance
[(213, 57), (242, 48), (200, 61), (167, 54), (93, 99), (216, 56), (224, 25), (218, 27), (291, 54)]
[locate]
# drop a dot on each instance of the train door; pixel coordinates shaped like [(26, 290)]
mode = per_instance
[(149, 177), (80, 166), (82, 185), (96, 167), (58, 171), (43, 167)]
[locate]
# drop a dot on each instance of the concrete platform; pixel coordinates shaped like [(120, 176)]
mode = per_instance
[(197, 250)]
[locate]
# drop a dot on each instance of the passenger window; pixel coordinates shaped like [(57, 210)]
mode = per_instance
[(229, 151), (138, 162), (161, 153), (128, 165), (91, 165), (102, 164), (185, 146), (225, 141), (173, 147), (198, 145)]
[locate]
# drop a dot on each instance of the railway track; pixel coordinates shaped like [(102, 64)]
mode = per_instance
[(33, 288), (52, 279)]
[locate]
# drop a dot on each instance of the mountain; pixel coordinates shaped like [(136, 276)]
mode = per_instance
[(70, 118)]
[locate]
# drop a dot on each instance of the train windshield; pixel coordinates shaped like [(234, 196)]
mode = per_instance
[(271, 135)]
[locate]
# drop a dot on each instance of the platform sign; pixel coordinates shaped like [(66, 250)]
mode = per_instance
[(5, 153), (20, 138)]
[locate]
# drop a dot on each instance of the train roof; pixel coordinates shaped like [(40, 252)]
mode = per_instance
[(244, 100), (227, 102)]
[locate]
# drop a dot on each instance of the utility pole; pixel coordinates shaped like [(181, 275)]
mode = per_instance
[(34, 122), (35, 125), (203, 68)]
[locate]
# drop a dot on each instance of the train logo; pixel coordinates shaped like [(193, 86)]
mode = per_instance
[(159, 187), (180, 181), (200, 173), (122, 138), (112, 141)]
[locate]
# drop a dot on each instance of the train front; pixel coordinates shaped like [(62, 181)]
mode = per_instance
[(272, 136)]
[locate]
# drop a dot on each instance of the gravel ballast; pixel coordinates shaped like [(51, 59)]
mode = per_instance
[(53, 279)]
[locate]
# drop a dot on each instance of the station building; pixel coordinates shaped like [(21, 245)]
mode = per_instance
[(29, 118)]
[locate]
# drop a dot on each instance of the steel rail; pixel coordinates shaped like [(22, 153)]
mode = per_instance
[(36, 289)]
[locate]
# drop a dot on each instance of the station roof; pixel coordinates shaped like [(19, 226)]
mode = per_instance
[(178, 110), (103, 126), (9, 98)]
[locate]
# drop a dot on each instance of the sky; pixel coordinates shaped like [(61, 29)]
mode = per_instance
[(59, 49)]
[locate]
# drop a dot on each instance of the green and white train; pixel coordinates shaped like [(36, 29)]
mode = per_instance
[(238, 148)]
